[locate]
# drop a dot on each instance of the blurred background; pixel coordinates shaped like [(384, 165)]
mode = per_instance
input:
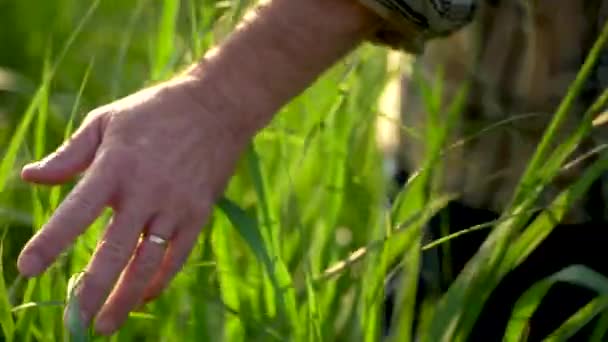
[(311, 227)]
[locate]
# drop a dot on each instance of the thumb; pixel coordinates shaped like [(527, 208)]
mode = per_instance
[(73, 157)]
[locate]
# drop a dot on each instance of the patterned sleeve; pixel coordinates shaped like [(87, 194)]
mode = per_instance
[(410, 23)]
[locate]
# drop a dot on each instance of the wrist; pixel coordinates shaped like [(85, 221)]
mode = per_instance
[(213, 108), (277, 52)]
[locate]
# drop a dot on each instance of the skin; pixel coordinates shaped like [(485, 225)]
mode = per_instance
[(180, 141)]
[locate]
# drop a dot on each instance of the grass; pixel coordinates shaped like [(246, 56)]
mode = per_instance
[(300, 247)]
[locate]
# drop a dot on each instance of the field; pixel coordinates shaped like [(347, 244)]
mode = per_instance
[(300, 246)]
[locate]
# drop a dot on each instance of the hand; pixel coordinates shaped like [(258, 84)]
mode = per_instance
[(159, 159)]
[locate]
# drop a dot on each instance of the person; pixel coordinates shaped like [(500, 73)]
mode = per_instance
[(519, 58), (181, 139)]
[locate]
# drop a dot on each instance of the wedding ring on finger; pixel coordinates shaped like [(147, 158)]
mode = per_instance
[(155, 239)]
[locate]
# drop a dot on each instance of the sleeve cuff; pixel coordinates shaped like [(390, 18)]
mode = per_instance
[(410, 23)]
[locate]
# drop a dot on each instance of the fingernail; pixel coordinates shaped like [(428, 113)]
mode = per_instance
[(30, 264), (104, 326)]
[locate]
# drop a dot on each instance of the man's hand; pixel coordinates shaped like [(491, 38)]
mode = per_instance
[(159, 159)]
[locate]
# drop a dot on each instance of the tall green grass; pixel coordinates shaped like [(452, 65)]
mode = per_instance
[(301, 245)]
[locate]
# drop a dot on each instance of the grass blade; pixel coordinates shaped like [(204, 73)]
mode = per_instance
[(164, 49), (76, 327), (17, 140), (285, 293), (233, 329), (542, 225), (577, 321), (562, 112), (601, 329), (530, 300), (6, 318)]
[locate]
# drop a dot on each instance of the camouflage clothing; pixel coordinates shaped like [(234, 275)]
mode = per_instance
[(520, 56), (410, 23)]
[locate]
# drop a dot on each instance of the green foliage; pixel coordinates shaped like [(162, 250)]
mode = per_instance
[(301, 245), (529, 301)]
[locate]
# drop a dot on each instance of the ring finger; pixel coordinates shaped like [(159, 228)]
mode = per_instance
[(138, 273)]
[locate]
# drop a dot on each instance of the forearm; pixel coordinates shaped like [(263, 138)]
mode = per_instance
[(277, 52)]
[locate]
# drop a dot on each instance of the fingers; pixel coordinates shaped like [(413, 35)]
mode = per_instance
[(110, 258), (80, 208), (73, 157), (136, 277), (177, 253)]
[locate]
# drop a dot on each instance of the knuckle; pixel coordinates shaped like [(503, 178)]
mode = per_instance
[(182, 207), (74, 208), (146, 265), (62, 150), (113, 159), (186, 203), (99, 118), (84, 203), (199, 209), (97, 113), (113, 252)]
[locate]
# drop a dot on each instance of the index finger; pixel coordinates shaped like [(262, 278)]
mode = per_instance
[(80, 208)]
